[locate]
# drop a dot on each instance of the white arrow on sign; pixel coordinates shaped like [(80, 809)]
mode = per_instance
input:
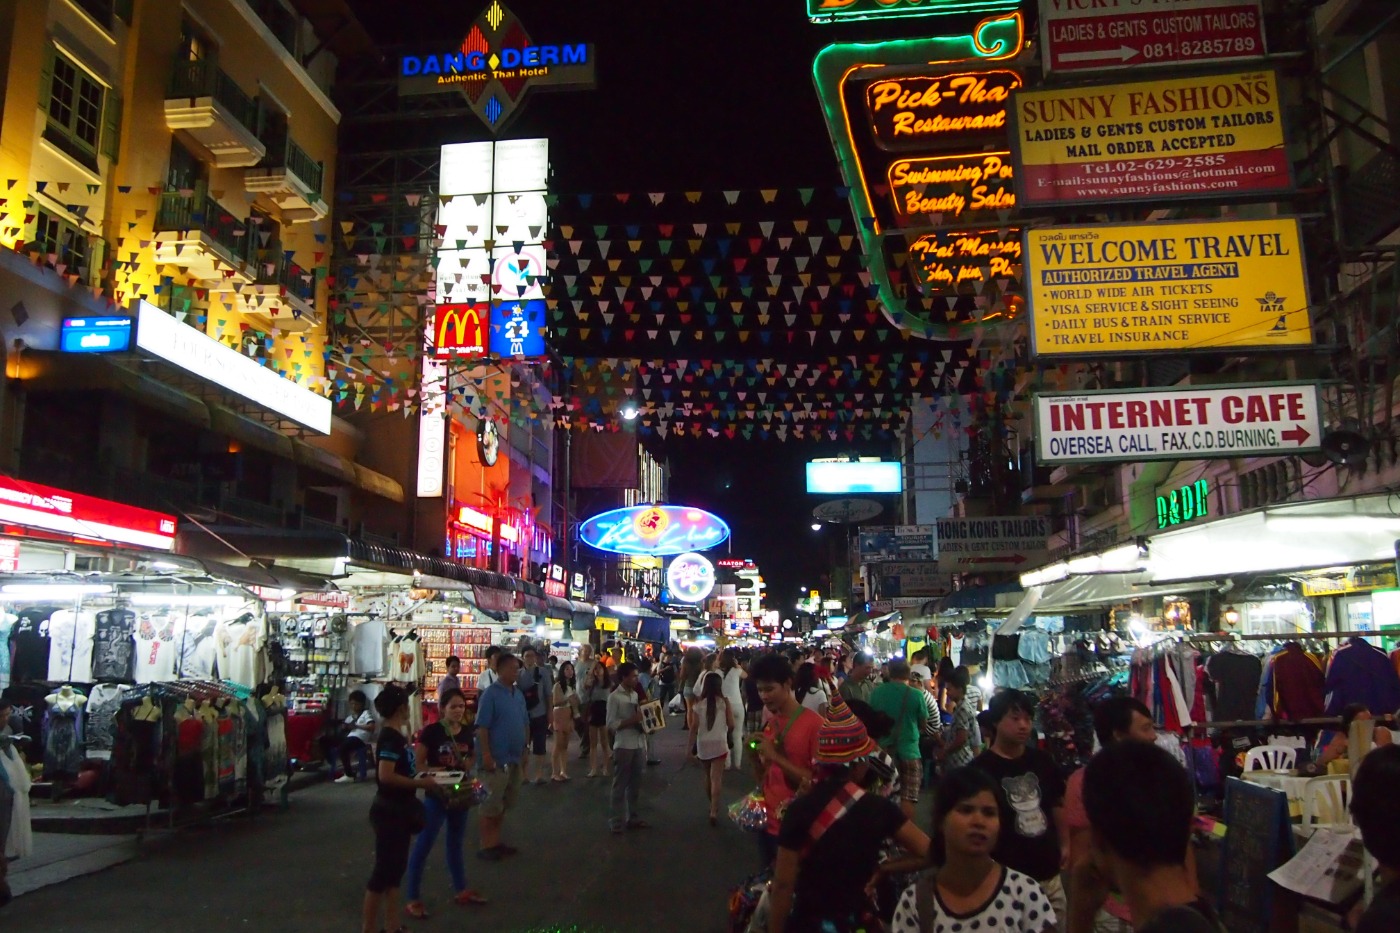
[(1120, 54)]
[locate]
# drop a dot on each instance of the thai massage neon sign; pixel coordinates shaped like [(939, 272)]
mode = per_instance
[(837, 11), (654, 530)]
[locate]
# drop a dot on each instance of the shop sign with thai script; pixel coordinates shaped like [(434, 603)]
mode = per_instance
[(1112, 289), (1206, 136)]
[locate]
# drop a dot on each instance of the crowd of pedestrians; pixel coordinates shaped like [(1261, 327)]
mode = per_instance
[(842, 751)]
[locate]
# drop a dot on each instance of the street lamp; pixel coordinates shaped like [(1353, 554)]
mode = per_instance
[(630, 411), (816, 526)]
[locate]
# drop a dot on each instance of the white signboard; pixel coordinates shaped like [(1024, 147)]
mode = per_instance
[(916, 578), (996, 542), (195, 352), (465, 168), (522, 165), (432, 427), (1276, 419)]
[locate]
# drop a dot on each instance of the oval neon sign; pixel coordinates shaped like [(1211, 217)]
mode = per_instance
[(654, 530), (690, 578)]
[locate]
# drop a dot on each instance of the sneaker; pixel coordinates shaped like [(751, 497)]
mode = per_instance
[(470, 898), (345, 779)]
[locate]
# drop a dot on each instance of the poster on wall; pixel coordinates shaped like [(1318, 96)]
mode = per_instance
[(1165, 140), (1115, 289)]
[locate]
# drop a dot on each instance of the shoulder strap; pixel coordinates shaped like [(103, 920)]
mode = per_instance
[(839, 806), (925, 901)]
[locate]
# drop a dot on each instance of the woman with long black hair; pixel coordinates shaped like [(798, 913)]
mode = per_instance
[(711, 719), (396, 814), (966, 889), (565, 706)]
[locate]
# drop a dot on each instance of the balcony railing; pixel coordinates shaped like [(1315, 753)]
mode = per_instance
[(1371, 200), (288, 275), (198, 211), (204, 78), (285, 154)]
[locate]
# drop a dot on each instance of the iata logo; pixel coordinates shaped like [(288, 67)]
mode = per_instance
[(496, 66)]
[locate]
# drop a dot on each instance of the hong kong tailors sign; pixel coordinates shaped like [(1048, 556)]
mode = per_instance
[(931, 112), (1204, 136), (1080, 35), (1178, 424), (835, 11), (1116, 289), (496, 65)]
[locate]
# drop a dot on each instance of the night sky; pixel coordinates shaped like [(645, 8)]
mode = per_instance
[(691, 95)]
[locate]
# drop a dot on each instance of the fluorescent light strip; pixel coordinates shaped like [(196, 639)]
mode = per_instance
[(83, 529)]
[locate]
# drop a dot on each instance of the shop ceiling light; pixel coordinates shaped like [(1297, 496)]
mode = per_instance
[(1051, 574), (1386, 523), (186, 599), (53, 590)]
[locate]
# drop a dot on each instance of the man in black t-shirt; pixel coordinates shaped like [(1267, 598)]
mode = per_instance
[(1376, 808), (1140, 806), (1035, 842)]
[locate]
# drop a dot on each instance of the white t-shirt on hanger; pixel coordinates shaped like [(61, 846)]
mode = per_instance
[(70, 645), (367, 640), (155, 650)]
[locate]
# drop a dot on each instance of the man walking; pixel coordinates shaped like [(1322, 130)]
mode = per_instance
[(502, 726), (1036, 842), (537, 683), (857, 685), (487, 677), (788, 748), (629, 750), (905, 705)]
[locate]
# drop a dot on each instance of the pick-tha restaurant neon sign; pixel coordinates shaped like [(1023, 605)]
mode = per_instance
[(654, 530)]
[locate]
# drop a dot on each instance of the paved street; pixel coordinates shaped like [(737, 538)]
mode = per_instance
[(304, 870)]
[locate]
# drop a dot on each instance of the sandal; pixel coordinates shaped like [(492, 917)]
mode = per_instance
[(470, 897), (416, 910)]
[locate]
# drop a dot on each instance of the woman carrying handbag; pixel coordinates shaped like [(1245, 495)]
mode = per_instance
[(446, 745)]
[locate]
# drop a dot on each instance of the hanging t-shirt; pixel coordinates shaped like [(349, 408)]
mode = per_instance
[(103, 703), (196, 648), (114, 649), (238, 660), (955, 648), (155, 650), (367, 647), (1235, 678), (29, 644), (405, 658), (6, 622), (1033, 789), (70, 645)]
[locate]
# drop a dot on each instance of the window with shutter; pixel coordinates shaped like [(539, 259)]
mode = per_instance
[(81, 110)]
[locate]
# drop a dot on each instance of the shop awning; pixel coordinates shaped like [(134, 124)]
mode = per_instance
[(1295, 536), (383, 486), (253, 433), (48, 371), (977, 597), (323, 461)]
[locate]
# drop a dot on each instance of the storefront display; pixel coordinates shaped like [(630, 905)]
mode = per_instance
[(467, 642)]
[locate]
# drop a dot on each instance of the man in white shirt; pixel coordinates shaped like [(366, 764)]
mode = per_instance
[(488, 675), (629, 750)]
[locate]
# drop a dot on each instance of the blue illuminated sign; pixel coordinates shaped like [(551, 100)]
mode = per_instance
[(654, 530), (95, 335), (517, 329)]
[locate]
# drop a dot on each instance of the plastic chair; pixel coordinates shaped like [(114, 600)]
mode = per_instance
[(1327, 803), (1271, 758)]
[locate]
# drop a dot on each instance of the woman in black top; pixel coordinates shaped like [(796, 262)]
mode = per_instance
[(447, 745), (396, 813)]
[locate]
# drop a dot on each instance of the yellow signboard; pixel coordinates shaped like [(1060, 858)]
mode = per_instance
[(605, 624), (1112, 289), (1204, 136)]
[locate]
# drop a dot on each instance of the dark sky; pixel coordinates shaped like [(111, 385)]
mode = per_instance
[(691, 94)]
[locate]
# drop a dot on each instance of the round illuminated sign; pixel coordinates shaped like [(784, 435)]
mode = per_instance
[(654, 530), (690, 578)]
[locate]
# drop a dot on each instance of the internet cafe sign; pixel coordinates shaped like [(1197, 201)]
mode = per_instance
[(496, 65)]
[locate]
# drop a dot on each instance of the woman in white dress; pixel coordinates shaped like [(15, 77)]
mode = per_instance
[(711, 719), (734, 676)]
